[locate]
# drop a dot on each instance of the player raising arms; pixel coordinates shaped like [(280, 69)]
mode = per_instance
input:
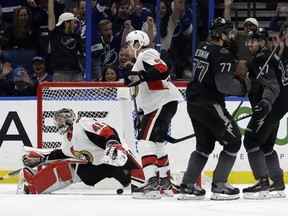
[(269, 105), (158, 98), (213, 79), (90, 152)]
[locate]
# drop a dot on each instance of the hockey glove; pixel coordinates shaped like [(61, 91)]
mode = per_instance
[(33, 159), (114, 154), (133, 79), (261, 110)]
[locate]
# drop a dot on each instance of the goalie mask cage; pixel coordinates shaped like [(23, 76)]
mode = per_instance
[(111, 103)]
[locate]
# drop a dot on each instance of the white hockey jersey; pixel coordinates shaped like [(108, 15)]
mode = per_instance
[(88, 140), (154, 94)]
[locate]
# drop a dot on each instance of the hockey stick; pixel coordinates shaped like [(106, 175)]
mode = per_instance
[(174, 140), (233, 115), (163, 135), (133, 95), (272, 53), (243, 117), (9, 175)]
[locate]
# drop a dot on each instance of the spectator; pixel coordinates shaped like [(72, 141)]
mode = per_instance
[(21, 85), (120, 14), (6, 57), (109, 75), (39, 70), (276, 21), (64, 46), (139, 15), (98, 14), (125, 63), (282, 42), (4, 31), (23, 34), (8, 7), (237, 44), (181, 47), (168, 25), (81, 29), (110, 43)]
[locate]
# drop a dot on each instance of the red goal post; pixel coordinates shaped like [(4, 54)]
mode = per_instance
[(110, 102)]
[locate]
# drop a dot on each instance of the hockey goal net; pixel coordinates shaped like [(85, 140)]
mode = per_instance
[(112, 104)]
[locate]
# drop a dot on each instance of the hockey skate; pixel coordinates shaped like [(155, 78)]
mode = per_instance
[(277, 190), (258, 191), (149, 191), (166, 187), (191, 192), (224, 191)]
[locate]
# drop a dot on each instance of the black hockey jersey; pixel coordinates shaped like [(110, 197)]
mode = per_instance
[(273, 81), (213, 75)]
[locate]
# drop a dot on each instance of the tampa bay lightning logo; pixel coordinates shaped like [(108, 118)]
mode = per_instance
[(68, 42), (109, 57)]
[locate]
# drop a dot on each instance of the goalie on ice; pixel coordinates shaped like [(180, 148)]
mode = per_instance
[(90, 152)]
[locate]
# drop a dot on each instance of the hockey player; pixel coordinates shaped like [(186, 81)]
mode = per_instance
[(90, 152), (269, 105), (213, 79), (158, 98)]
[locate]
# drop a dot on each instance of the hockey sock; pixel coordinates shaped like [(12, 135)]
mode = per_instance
[(196, 164), (258, 164), (273, 165), (163, 160), (224, 166)]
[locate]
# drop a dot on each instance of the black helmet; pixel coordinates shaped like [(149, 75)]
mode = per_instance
[(220, 25), (258, 33)]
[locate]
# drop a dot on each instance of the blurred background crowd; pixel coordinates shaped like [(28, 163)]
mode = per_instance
[(38, 39)]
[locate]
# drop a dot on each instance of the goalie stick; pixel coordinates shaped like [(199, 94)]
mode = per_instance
[(9, 175)]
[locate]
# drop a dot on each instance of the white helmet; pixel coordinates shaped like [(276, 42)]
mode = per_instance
[(139, 36)]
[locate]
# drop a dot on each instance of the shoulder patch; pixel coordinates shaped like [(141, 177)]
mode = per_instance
[(224, 50)]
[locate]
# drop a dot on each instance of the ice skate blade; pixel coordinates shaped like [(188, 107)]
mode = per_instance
[(189, 197), (278, 194), (149, 195), (258, 195), (219, 196)]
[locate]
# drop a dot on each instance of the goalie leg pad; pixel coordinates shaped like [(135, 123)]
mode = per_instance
[(54, 177)]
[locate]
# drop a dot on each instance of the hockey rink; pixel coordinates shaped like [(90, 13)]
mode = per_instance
[(108, 203)]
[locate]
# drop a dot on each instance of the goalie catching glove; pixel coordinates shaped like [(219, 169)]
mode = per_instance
[(114, 154), (33, 159)]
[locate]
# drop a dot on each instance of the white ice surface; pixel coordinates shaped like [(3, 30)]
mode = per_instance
[(108, 203)]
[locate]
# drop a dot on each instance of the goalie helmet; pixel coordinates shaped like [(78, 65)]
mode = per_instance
[(64, 119), (221, 25), (139, 36)]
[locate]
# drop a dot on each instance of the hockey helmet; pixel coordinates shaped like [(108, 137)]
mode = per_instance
[(256, 33), (139, 36), (64, 119), (221, 25)]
